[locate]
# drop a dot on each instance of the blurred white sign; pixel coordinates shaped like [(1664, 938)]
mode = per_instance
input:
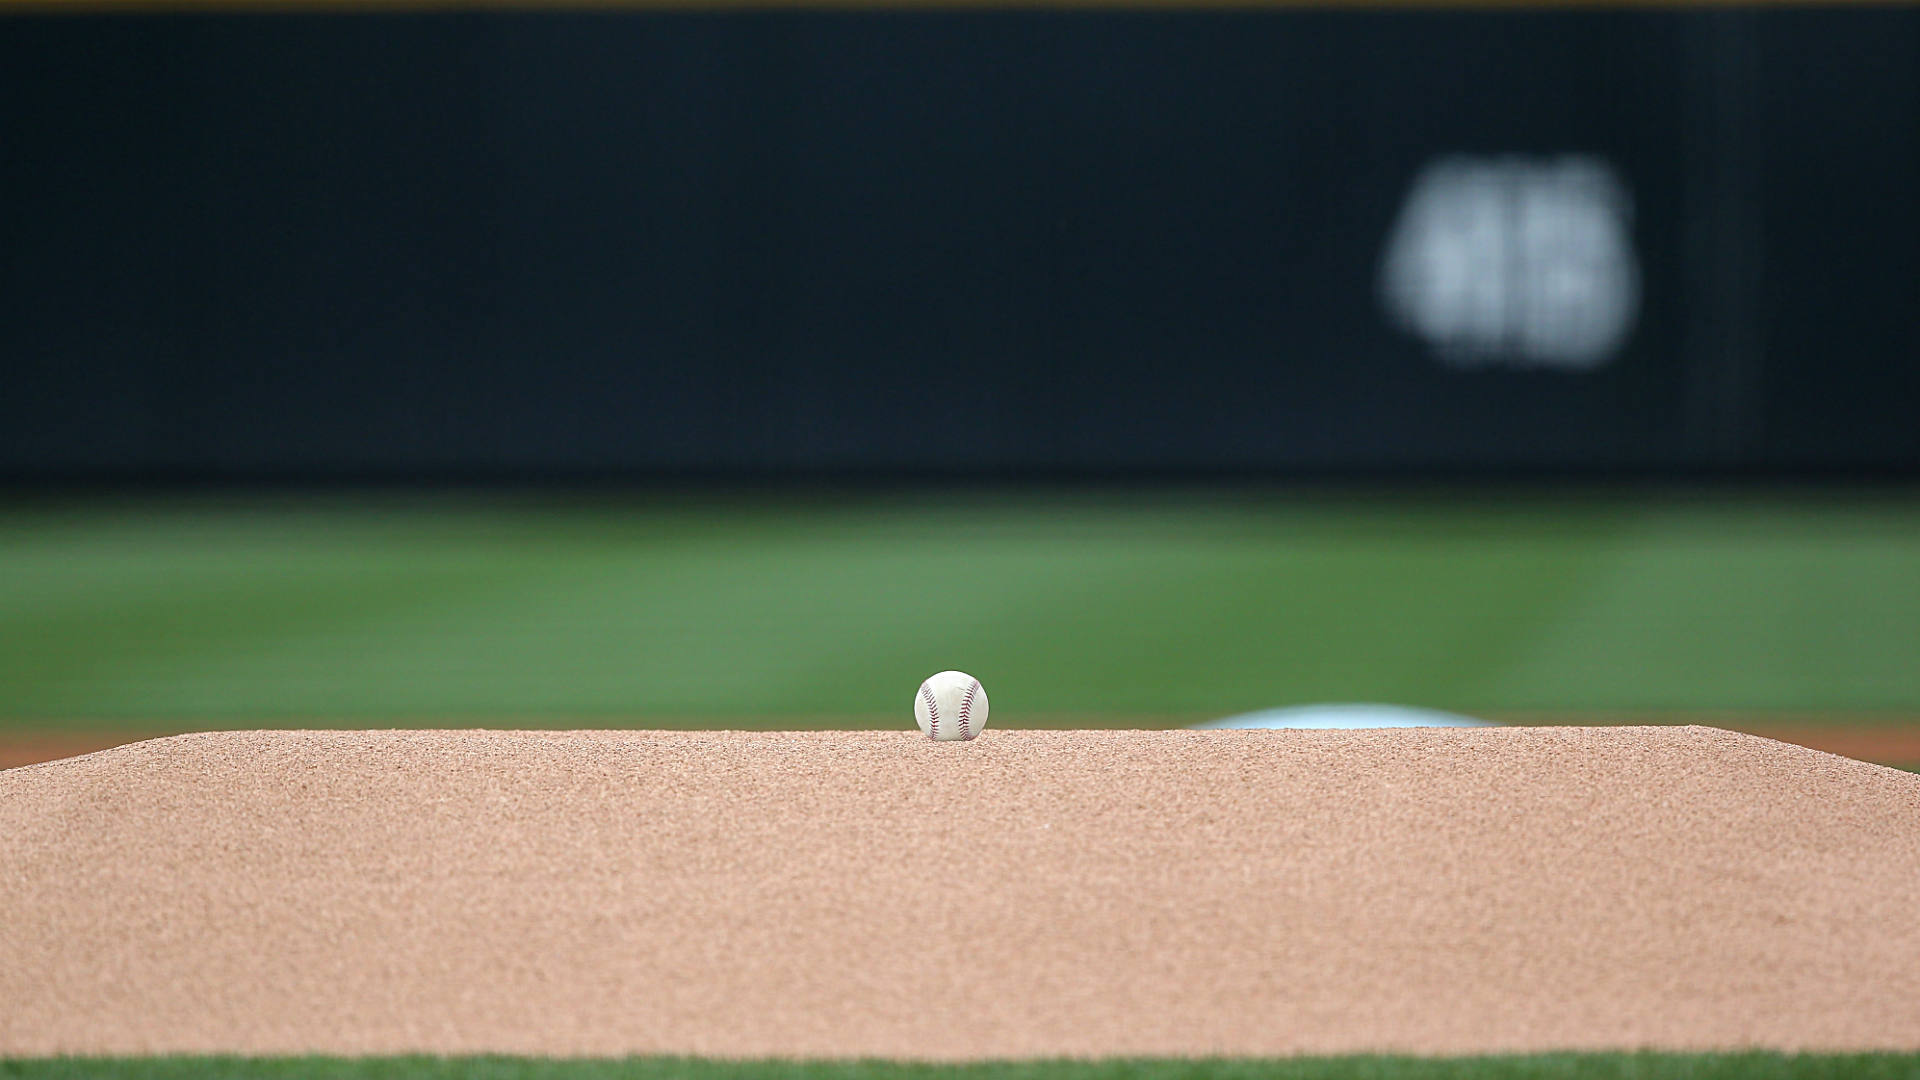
[(1515, 261)]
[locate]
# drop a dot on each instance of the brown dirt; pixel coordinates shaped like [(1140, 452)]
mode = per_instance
[(18, 749), (1888, 738), (1888, 746), (1032, 893)]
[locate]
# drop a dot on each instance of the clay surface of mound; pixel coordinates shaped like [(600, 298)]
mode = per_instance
[(1032, 893)]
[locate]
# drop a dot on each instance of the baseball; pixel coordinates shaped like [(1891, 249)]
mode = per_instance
[(951, 706)]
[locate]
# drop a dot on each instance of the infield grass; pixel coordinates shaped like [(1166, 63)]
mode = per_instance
[(1639, 1066), (789, 611)]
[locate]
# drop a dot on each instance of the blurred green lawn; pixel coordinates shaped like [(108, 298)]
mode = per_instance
[(785, 609)]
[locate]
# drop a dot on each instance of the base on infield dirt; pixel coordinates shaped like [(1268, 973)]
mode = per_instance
[(821, 894)]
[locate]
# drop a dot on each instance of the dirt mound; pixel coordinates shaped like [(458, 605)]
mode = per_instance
[(1032, 893)]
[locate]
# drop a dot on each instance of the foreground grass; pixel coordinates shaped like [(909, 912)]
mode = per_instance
[(203, 613), (1641, 1066)]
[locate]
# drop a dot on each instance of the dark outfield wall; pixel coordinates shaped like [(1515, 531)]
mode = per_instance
[(513, 243)]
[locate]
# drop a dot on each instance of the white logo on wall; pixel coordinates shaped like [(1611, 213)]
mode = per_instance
[(1515, 261)]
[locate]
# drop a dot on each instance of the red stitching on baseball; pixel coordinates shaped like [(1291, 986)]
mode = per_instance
[(966, 709), (933, 713)]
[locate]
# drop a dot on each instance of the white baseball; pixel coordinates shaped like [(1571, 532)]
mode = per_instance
[(951, 706)]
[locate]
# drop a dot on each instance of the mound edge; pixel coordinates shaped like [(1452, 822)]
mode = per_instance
[(1033, 893)]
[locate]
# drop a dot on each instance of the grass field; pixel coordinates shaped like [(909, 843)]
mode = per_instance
[(1642, 1066), (779, 611)]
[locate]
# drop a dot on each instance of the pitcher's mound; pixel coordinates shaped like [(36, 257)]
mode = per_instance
[(1032, 893)]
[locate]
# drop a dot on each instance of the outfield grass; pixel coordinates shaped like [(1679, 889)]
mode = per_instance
[(1641, 1066), (744, 611)]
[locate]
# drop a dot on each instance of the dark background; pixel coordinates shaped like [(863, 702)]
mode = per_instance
[(1016, 243)]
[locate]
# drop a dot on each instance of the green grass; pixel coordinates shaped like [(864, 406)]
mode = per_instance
[(1535, 1067), (741, 611)]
